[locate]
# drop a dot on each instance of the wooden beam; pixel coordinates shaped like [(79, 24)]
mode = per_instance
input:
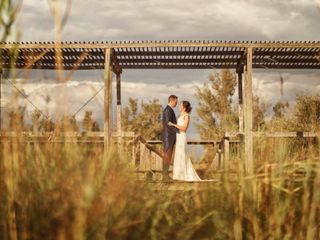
[(258, 53), (119, 130), (1, 103), (226, 153), (239, 70), (107, 98), (248, 116), (177, 60), (240, 98), (150, 44), (122, 55), (178, 66), (94, 66), (119, 103)]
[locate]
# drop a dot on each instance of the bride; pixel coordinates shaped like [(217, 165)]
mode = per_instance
[(182, 165)]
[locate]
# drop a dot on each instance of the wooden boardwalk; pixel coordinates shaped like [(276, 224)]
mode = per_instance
[(181, 185)]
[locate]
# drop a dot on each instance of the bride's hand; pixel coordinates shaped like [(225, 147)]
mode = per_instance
[(170, 124)]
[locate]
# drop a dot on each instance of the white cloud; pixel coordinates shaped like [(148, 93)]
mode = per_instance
[(154, 20), (202, 19)]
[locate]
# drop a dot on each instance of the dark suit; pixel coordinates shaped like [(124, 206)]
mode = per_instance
[(168, 137)]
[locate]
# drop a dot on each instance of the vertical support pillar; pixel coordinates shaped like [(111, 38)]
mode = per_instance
[(1, 99), (133, 160), (107, 98), (248, 117), (240, 94), (119, 103), (226, 152)]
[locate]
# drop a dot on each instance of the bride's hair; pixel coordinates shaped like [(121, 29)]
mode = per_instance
[(186, 106)]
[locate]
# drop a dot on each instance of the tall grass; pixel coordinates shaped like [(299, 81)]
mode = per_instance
[(73, 191)]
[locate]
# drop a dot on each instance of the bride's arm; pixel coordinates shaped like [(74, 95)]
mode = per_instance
[(185, 125)]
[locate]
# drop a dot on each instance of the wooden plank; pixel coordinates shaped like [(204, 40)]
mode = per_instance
[(177, 60), (226, 153), (142, 164), (107, 105), (133, 158), (123, 134), (217, 66), (285, 134), (122, 55), (70, 57), (119, 102), (172, 64), (248, 114), (159, 164), (110, 98), (145, 155), (153, 160), (100, 135), (118, 113), (1, 103), (240, 99), (191, 142), (178, 66), (163, 44), (147, 159), (203, 53)]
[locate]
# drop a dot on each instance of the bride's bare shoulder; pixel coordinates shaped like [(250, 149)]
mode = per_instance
[(186, 116)]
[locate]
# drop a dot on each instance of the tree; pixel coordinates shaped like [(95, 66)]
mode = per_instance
[(47, 125), (280, 109), (215, 114), (146, 122), (16, 119), (259, 111), (303, 116), (67, 124), (35, 121), (41, 123), (281, 121), (307, 112), (88, 123)]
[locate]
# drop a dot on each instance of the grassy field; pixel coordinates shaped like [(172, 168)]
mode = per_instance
[(74, 191)]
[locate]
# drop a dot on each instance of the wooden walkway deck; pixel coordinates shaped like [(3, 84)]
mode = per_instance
[(181, 185)]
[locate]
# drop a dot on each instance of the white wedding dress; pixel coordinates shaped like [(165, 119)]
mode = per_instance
[(182, 165)]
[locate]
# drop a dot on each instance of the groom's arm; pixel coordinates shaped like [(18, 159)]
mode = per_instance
[(168, 117), (183, 127), (176, 130)]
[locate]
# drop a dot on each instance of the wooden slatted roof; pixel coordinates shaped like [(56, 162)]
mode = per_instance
[(160, 55)]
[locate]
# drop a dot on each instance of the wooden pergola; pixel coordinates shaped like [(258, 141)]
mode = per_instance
[(114, 57)]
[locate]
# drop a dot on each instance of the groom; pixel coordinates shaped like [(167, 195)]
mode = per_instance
[(169, 135)]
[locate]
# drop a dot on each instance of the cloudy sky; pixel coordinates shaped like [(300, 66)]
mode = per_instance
[(98, 20)]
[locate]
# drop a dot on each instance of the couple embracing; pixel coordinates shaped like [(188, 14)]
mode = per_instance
[(175, 142)]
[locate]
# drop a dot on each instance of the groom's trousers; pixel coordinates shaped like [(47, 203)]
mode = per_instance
[(167, 159)]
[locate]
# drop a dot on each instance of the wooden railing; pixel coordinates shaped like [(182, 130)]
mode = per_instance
[(145, 155), (85, 137), (150, 158)]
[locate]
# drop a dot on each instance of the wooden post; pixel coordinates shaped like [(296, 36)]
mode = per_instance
[(133, 160), (119, 103), (107, 98), (240, 94), (226, 153), (248, 118), (1, 98), (220, 154)]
